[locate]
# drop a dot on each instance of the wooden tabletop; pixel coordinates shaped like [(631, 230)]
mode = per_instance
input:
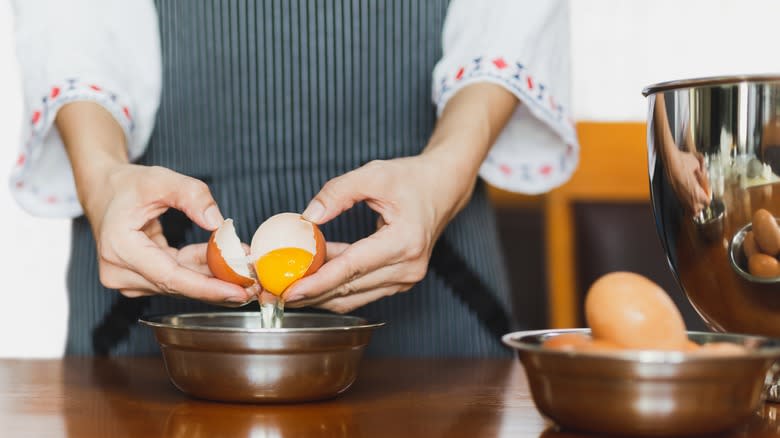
[(132, 397)]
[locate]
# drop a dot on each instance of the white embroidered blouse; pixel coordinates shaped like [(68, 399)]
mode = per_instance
[(108, 52)]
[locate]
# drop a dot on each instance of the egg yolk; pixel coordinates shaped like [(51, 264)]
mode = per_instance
[(281, 267)]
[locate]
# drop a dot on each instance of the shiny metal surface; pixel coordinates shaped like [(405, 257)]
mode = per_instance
[(646, 393), (227, 356), (714, 159)]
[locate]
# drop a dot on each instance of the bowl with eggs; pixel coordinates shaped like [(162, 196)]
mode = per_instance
[(263, 356), (637, 371)]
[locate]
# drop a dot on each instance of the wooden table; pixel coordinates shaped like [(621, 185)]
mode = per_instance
[(86, 397)]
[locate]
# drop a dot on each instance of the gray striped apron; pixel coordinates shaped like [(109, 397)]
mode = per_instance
[(265, 100)]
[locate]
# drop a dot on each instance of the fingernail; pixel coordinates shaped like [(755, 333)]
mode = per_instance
[(314, 211), (213, 217)]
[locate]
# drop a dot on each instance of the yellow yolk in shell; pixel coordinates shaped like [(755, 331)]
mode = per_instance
[(281, 267)]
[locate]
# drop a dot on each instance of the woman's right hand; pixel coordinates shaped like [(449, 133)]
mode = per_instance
[(123, 203), (134, 256)]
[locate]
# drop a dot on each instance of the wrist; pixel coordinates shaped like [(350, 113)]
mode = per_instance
[(96, 147), (453, 174), (93, 183)]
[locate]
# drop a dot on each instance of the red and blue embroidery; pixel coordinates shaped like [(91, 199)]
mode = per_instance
[(535, 95), (42, 118)]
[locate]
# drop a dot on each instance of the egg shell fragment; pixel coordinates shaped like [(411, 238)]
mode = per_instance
[(226, 258), (633, 312)]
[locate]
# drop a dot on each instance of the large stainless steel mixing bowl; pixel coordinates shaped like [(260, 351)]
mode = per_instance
[(227, 356), (723, 133), (714, 159), (646, 393)]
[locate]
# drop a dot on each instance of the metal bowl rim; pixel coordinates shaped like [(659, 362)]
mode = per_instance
[(644, 356), (710, 81), (156, 322), (733, 262)]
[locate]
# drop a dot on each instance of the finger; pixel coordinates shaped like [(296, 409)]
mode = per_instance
[(186, 194), (362, 257), (136, 293), (704, 182), (194, 257), (352, 302), (341, 193), (154, 230), (334, 249), (170, 277), (398, 274), (119, 278)]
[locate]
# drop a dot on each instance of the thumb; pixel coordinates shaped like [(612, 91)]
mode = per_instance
[(340, 194), (192, 197)]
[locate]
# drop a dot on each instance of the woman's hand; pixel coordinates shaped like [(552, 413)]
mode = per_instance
[(688, 178), (415, 198), (134, 255), (123, 203), (414, 206)]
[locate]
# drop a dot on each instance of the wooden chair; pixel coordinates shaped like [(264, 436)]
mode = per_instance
[(612, 168)]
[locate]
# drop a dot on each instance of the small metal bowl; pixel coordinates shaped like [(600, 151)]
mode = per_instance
[(227, 356), (646, 393), (738, 261)]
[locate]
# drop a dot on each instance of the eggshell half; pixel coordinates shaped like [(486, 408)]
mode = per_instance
[(289, 230), (226, 257)]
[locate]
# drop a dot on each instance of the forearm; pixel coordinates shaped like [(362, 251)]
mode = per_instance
[(95, 144), (469, 125)]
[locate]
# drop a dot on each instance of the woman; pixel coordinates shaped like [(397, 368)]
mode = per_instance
[(250, 108)]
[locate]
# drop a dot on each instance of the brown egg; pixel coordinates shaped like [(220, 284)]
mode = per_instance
[(598, 346), (722, 349), (635, 313), (566, 341), (766, 232), (764, 266), (749, 245)]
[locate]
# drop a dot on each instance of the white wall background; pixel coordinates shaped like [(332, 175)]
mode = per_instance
[(33, 306), (618, 47)]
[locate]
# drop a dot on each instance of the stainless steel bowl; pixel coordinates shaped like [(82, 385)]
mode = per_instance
[(739, 261), (646, 393), (718, 136), (229, 357), (730, 126)]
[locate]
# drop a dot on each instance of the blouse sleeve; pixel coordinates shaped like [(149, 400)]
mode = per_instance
[(104, 51), (522, 45)]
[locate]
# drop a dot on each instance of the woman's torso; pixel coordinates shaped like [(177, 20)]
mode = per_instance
[(266, 101)]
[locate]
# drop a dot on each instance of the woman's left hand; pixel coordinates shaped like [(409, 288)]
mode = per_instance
[(415, 198)]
